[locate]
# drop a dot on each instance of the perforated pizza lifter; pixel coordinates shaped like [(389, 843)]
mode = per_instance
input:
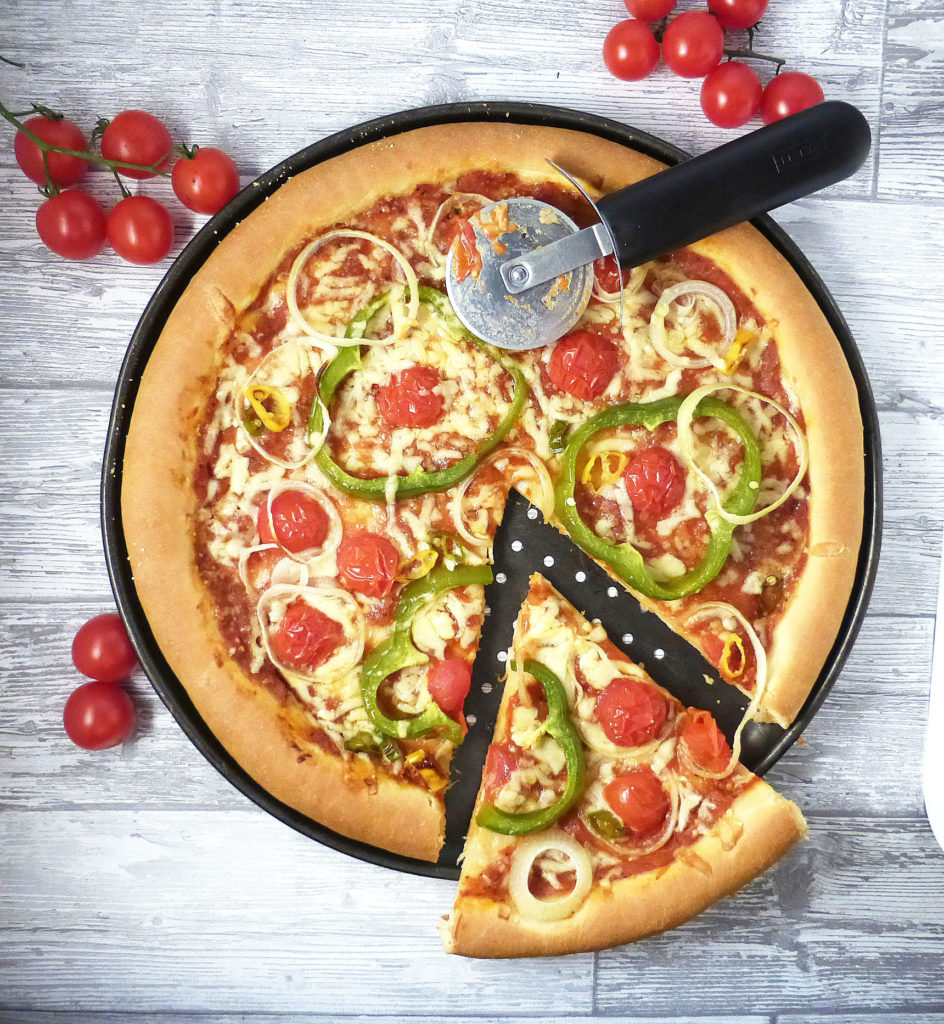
[(525, 544)]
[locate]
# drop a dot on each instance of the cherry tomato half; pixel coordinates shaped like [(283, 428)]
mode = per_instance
[(300, 522), (789, 93), (306, 637), (738, 14), (631, 712), (72, 225), (206, 182), (650, 10), (655, 483), (693, 44), (638, 799), (102, 649), (731, 94), (705, 741), (408, 398), (583, 364), (137, 137), (449, 682), (63, 170), (98, 715), (630, 50), (608, 274), (140, 230), (367, 563)]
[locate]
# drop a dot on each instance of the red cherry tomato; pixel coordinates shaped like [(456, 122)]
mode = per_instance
[(788, 93), (500, 763), (140, 230), (650, 10), (367, 563), (738, 14), (63, 170), (705, 741), (72, 225), (98, 715), (608, 274), (408, 398), (655, 483), (300, 522), (638, 799), (693, 44), (731, 94), (306, 637), (102, 649), (206, 182), (449, 682), (631, 712), (137, 137), (630, 50), (583, 364)]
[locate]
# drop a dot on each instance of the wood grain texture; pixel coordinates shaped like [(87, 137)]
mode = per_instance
[(136, 884)]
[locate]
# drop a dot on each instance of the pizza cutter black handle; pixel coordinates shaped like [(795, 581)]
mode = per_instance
[(756, 173)]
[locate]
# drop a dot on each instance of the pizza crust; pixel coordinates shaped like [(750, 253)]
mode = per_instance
[(637, 906)]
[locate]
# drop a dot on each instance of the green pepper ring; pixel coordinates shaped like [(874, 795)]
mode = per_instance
[(398, 651), (624, 559), (558, 726), (419, 481)]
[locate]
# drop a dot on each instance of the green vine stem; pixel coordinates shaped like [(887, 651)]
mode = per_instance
[(83, 154), (754, 55)]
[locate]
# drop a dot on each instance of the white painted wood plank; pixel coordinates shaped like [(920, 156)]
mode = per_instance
[(912, 94), (232, 912), (881, 693), (242, 89), (854, 917), (57, 1017)]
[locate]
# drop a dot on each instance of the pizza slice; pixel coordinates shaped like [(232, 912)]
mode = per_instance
[(607, 810)]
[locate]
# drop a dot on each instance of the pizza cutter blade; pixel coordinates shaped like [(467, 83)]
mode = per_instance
[(536, 273)]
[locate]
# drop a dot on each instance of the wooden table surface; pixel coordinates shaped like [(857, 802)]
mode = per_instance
[(136, 884)]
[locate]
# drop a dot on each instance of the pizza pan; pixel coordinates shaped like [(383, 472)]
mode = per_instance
[(523, 543)]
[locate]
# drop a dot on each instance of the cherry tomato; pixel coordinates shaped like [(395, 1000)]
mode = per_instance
[(102, 649), (306, 637), (693, 44), (367, 563), (98, 715), (449, 682), (408, 398), (72, 225), (500, 763), (655, 483), (738, 14), (137, 137), (650, 10), (788, 93), (638, 799), (206, 182), (466, 256), (63, 170), (731, 94), (583, 364), (630, 50), (705, 741), (608, 274), (631, 712), (140, 230), (299, 522)]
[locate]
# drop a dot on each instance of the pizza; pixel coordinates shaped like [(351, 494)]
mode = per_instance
[(319, 454), (608, 810)]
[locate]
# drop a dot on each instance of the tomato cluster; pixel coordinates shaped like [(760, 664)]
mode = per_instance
[(100, 714), (693, 46), (55, 154)]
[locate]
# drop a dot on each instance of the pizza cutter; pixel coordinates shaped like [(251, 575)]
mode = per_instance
[(537, 275)]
